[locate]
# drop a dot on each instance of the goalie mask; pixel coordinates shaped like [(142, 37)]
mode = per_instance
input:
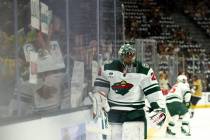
[(182, 79), (127, 53)]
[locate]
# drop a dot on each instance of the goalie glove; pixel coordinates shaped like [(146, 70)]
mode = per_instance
[(157, 116), (100, 104)]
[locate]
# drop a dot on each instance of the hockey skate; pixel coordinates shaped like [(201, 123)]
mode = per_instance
[(191, 114), (185, 132), (169, 132)]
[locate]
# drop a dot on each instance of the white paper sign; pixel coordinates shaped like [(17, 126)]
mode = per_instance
[(77, 84), (33, 67), (35, 14), (27, 48), (52, 60), (44, 18)]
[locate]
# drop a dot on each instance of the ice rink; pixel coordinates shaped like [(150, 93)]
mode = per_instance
[(200, 128)]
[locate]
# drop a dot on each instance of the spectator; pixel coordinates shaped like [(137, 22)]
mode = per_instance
[(164, 83)]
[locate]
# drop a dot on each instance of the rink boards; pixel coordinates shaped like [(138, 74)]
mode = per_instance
[(205, 101), (73, 125)]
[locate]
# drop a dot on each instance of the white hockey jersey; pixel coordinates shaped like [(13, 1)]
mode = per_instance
[(128, 87), (180, 92)]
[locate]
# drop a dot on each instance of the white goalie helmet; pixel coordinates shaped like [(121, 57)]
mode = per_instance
[(126, 49), (182, 79)]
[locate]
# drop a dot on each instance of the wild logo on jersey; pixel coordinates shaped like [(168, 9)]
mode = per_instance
[(122, 87)]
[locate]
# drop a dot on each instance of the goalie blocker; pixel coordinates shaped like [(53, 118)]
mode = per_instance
[(157, 117)]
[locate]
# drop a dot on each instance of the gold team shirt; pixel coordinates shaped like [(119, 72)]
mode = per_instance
[(198, 88)]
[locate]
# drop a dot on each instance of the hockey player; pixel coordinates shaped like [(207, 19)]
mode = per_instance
[(196, 93), (178, 103), (125, 83)]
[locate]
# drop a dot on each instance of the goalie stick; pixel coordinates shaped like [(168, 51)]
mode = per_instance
[(97, 130), (101, 118)]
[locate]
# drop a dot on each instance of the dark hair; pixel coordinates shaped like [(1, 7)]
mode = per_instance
[(195, 77)]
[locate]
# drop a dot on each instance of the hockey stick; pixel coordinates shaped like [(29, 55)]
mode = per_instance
[(100, 118), (96, 130)]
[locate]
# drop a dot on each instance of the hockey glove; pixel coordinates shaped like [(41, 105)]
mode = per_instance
[(157, 117), (100, 104), (187, 104)]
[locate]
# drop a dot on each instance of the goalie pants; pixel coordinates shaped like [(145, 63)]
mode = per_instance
[(121, 116)]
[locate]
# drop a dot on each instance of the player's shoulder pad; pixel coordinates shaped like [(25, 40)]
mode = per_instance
[(113, 65), (142, 67)]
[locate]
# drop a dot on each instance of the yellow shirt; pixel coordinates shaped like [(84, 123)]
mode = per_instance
[(198, 88)]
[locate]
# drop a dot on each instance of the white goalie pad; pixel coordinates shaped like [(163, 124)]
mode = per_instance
[(95, 130), (133, 131), (116, 131), (127, 131), (98, 129)]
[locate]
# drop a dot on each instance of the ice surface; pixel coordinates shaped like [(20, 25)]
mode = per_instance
[(200, 128)]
